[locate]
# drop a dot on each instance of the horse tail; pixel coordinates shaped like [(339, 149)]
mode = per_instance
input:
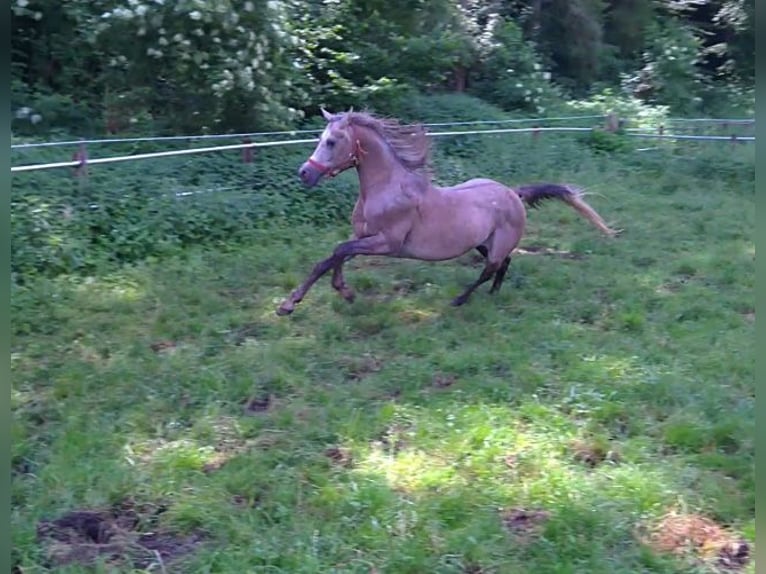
[(533, 194)]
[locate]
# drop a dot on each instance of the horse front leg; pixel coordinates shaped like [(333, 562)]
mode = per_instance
[(359, 226), (372, 245), (339, 282)]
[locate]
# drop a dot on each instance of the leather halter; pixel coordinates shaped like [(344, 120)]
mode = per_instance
[(354, 159)]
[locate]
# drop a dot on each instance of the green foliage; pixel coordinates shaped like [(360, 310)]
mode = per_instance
[(607, 142), (513, 76), (211, 66), (43, 112), (737, 19), (626, 26), (670, 75), (123, 66), (628, 107), (126, 212), (571, 34)]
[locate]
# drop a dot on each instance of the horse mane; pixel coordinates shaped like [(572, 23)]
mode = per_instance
[(408, 142)]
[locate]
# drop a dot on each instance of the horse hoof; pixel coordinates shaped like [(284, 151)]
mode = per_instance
[(458, 301), (285, 309), (349, 296)]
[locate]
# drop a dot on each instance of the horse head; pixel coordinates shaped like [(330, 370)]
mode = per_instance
[(338, 149)]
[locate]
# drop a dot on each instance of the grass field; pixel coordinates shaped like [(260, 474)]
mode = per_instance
[(595, 416)]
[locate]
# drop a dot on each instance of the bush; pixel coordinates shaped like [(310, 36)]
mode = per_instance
[(512, 76), (670, 74), (37, 113)]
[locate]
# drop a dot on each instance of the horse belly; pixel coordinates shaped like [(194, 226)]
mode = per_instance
[(441, 236)]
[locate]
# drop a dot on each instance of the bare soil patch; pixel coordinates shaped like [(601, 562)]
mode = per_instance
[(163, 346), (357, 368), (258, 404), (525, 524), (126, 536), (339, 456), (535, 249), (442, 381), (592, 453), (697, 539)]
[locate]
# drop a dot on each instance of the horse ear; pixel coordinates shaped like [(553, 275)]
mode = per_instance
[(327, 115)]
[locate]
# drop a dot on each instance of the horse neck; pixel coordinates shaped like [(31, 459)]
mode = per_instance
[(378, 168)]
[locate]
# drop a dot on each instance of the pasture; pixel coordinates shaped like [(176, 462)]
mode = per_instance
[(594, 416)]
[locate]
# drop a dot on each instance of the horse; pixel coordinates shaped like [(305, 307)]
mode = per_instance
[(400, 213)]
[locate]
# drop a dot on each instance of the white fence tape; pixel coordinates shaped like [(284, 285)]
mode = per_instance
[(733, 121), (202, 137), (170, 153)]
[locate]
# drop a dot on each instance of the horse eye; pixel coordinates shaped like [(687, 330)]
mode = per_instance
[(330, 143)]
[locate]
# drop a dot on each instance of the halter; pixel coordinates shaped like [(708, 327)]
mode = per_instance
[(354, 159)]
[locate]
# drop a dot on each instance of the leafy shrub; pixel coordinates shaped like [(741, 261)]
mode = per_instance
[(512, 76), (638, 113), (603, 141), (37, 113), (670, 74)]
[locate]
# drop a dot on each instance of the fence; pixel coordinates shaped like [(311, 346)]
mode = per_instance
[(81, 161)]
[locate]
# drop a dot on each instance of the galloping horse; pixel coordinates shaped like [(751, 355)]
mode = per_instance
[(401, 213)]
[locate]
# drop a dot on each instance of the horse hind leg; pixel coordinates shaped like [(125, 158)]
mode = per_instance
[(504, 241), (489, 270), (500, 275), (496, 252)]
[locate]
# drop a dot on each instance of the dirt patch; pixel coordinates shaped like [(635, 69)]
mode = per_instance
[(697, 539), (242, 501), (229, 444), (404, 287), (392, 439), (339, 456), (240, 335), (511, 461), (217, 461), (163, 346), (542, 250), (525, 524), (442, 381), (126, 536), (749, 316), (593, 453), (414, 316), (357, 368), (387, 394), (671, 287), (259, 404)]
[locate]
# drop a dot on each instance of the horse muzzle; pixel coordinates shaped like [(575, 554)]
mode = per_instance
[(309, 174)]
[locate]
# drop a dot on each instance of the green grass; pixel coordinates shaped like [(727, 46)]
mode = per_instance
[(605, 389)]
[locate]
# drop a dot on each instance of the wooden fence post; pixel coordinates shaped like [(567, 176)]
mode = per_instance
[(247, 153), (81, 155), (612, 122)]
